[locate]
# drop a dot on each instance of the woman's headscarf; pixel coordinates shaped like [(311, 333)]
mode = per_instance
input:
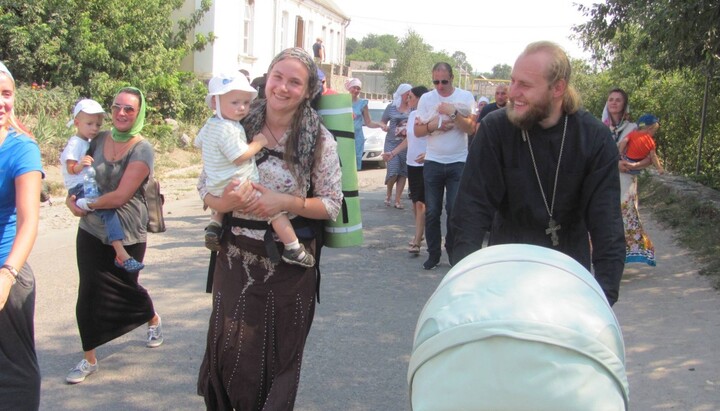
[(5, 70), (397, 96), (619, 128), (12, 120), (353, 82), (306, 124), (123, 136)]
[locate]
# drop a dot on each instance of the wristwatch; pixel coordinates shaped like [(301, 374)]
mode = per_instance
[(453, 115)]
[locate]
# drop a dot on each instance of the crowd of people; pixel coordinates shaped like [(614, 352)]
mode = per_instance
[(531, 167)]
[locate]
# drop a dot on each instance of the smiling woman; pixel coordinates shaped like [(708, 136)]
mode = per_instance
[(19, 215), (263, 307), (111, 301)]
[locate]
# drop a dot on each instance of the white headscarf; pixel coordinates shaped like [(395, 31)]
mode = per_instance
[(352, 82), (5, 70), (397, 96), (621, 129)]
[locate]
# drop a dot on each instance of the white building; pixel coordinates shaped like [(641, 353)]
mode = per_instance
[(249, 33)]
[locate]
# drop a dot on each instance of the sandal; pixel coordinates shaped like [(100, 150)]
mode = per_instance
[(412, 242), (130, 265), (414, 249), (399, 206), (387, 202)]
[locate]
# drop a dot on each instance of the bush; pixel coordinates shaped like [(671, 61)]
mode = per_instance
[(46, 112)]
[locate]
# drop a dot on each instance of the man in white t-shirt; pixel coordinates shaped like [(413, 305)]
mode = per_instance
[(446, 121)]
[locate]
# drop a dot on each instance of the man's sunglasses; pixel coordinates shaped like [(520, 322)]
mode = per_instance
[(436, 82)]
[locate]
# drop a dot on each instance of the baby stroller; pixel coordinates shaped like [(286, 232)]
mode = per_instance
[(518, 327)]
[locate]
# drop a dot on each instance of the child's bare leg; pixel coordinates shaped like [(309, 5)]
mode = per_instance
[(656, 162), (213, 231), (294, 251), (216, 217), (125, 260), (120, 253)]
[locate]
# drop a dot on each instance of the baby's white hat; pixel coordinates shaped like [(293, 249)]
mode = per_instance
[(87, 106), (224, 83)]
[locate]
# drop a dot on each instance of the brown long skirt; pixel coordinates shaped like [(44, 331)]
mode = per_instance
[(260, 320)]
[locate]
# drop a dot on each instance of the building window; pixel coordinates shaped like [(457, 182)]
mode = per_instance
[(284, 27), (248, 19)]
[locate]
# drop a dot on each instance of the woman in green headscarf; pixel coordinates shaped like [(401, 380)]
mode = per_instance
[(111, 302)]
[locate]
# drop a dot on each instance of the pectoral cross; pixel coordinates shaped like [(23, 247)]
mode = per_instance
[(552, 230)]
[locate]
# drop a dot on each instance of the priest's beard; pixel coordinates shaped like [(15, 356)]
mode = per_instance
[(536, 112)]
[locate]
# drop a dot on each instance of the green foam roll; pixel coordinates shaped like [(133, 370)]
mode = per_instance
[(346, 230)]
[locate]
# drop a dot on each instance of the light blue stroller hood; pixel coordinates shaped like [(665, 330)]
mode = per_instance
[(518, 327)]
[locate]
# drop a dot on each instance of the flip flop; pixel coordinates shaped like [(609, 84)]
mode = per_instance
[(387, 202), (414, 249), (399, 206)]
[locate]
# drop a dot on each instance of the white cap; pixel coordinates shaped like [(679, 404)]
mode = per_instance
[(225, 83), (87, 106), (485, 99)]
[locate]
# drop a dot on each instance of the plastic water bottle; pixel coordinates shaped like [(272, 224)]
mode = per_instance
[(90, 185)]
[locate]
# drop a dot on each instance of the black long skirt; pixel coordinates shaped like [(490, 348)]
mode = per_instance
[(19, 370), (110, 301), (260, 320)]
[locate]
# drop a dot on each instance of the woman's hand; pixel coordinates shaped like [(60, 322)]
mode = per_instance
[(5, 285), (77, 211), (420, 159), (267, 203), (236, 196)]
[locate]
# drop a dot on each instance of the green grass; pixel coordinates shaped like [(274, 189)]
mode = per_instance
[(696, 223)]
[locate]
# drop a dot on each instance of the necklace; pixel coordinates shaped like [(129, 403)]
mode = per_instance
[(277, 142), (118, 153), (553, 226)]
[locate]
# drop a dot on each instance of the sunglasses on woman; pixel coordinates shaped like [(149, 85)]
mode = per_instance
[(119, 108)]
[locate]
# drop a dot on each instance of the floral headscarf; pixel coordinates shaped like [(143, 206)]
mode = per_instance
[(306, 124)]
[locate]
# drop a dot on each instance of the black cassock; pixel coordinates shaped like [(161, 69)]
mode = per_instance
[(499, 192)]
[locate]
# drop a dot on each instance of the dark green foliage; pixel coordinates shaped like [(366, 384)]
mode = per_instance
[(96, 47), (661, 53)]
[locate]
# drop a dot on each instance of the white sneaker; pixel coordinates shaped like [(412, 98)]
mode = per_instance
[(82, 370), (155, 335)]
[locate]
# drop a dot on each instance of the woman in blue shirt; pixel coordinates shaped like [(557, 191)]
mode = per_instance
[(20, 182)]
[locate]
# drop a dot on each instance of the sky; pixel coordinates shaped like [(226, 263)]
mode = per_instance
[(488, 32)]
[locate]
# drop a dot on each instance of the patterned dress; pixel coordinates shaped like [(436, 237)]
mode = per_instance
[(397, 166), (262, 312), (638, 246)]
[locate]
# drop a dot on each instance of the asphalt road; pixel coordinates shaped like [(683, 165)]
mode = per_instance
[(358, 350)]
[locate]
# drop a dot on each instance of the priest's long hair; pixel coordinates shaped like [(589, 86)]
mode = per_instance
[(559, 69)]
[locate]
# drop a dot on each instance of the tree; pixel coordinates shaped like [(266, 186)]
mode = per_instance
[(376, 48), (98, 46), (461, 61), (501, 71), (675, 34), (414, 63), (667, 34)]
